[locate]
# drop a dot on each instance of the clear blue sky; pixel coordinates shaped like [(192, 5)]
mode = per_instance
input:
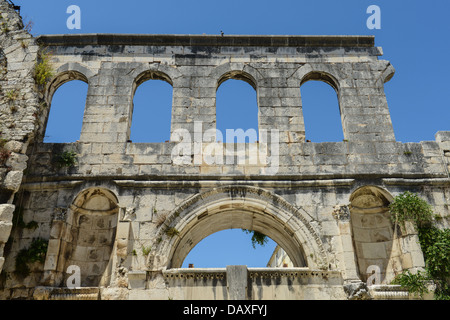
[(415, 37)]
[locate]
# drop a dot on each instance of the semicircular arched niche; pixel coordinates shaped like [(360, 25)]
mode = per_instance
[(373, 235), (92, 224), (244, 207)]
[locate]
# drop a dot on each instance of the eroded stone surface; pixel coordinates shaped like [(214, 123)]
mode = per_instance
[(127, 214)]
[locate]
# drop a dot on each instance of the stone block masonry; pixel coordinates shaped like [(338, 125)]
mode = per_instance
[(18, 107), (127, 214)]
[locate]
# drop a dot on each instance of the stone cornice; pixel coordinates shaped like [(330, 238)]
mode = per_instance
[(353, 41)]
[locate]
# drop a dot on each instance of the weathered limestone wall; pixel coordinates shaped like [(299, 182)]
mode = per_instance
[(128, 213), (18, 107), (195, 66)]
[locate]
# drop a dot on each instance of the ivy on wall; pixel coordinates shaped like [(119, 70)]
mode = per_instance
[(435, 244), (35, 253), (408, 206)]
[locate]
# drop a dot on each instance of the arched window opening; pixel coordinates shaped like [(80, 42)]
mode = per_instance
[(66, 112), (320, 105), (152, 109), (230, 247), (237, 108)]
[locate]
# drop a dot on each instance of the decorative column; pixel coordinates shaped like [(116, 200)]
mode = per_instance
[(348, 262), (353, 286)]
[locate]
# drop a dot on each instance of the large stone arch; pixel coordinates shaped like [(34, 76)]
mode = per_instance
[(238, 207)]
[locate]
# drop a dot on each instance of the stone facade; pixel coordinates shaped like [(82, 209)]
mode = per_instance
[(18, 107), (127, 214)]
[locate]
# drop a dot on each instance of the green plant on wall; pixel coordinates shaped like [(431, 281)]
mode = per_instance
[(146, 250), (434, 242), (12, 95), (20, 223), (35, 253), (416, 283), (171, 232), (67, 159), (43, 70), (409, 207)]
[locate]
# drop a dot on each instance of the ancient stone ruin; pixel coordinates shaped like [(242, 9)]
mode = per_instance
[(124, 215)]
